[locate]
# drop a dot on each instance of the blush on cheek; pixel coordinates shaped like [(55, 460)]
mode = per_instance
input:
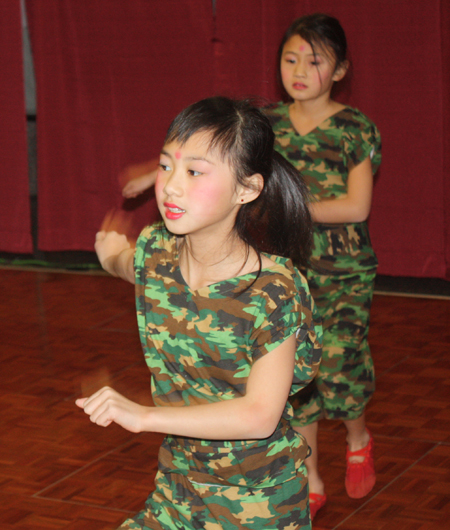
[(210, 197)]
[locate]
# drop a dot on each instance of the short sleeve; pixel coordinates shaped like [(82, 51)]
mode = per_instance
[(363, 140), (271, 329), (295, 314)]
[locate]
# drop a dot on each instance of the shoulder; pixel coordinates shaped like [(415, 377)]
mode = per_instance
[(360, 135), (152, 240), (277, 112), (354, 121), (284, 284)]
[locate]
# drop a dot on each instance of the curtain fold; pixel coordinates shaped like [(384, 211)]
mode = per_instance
[(397, 57), (445, 47), (111, 76), (15, 222)]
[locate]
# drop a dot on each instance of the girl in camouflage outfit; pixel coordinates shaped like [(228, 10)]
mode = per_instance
[(337, 149), (228, 331)]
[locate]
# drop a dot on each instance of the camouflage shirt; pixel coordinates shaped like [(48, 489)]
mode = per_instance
[(325, 156), (200, 345)]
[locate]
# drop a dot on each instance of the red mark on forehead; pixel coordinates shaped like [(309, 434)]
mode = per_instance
[(302, 48), (177, 155)]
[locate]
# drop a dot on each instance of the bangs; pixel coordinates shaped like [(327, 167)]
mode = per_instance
[(221, 130)]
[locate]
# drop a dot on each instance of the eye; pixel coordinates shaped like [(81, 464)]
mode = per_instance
[(194, 173), (164, 167)]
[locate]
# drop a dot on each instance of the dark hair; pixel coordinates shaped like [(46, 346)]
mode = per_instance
[(278, 221), (319, 31)]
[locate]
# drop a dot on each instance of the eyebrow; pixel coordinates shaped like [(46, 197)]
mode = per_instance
[(317, 54)]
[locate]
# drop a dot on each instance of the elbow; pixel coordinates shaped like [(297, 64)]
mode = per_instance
[(360, 214), (261, 421)]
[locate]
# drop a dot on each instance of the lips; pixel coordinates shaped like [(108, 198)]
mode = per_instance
[(173, 211), (299, 86)]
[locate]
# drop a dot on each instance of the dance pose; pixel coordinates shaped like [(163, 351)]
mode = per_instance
[(227, 325)]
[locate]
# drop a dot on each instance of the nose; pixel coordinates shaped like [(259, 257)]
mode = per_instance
[(173, 183), (300, 69)]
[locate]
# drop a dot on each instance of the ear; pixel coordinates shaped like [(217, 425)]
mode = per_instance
[(252, 190), (340, 72)]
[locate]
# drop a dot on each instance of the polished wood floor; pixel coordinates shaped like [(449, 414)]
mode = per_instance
[(64, 334)]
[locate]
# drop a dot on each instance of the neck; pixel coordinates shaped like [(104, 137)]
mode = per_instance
[(204, 262), (315, 107)]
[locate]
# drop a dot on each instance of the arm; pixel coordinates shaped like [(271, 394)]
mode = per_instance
[(252, 416), (138, 185), (135, 179), (116, 255), (354, 207)]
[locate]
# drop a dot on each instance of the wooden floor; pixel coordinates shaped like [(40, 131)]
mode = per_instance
[(64, 334)]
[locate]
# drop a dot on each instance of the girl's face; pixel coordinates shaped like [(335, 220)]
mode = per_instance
[(196, 191), (307, 76)]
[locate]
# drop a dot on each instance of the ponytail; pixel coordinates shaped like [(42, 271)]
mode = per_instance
[(279, 222)]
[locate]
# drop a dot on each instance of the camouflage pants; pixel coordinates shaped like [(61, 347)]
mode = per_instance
[(213, 487), (346, 379)]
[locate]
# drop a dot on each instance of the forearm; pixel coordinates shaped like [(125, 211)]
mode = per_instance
[(338, 211), (234, 419), (121, 265)]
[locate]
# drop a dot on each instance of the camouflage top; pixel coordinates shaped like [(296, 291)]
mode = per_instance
[(325, 156), (200, 345)]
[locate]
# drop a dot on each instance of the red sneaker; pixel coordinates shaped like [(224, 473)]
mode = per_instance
[(316, 501), (360, 477)]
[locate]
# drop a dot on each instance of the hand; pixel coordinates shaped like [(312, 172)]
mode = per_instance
[(138, 185), (107, 406)]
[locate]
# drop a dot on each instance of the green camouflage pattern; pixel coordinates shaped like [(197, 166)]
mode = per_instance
[(346, 378), (342, 265), (248, 486), (200, 347), (325, 156)]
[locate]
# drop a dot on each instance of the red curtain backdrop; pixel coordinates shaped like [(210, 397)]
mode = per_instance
[(15, 224), (398, 54), (445, 50), (110, 75)]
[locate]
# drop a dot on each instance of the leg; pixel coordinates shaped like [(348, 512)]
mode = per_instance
[(357, 436), (314, 480)]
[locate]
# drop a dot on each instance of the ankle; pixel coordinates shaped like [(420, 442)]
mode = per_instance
[(316, 485), (357, 441)]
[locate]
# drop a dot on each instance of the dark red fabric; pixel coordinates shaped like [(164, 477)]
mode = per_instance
[(111, 76), (445, 50), (398, 52), (15, 224)]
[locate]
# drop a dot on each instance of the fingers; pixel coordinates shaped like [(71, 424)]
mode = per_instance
[(130, 191), (80, 402), (99, 407)]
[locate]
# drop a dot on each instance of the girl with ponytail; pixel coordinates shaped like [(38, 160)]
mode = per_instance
[(227, 325)]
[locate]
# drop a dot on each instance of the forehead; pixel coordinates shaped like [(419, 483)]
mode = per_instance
[(199, 143), (196, 146), (297, 44)]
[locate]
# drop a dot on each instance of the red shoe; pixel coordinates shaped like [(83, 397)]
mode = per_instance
[(316, 501), (360, 477)]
